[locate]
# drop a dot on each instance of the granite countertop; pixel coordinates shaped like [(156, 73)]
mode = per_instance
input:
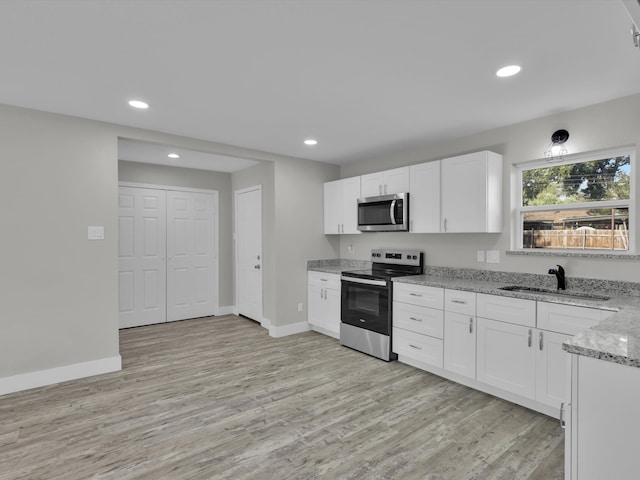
[(616, 339)]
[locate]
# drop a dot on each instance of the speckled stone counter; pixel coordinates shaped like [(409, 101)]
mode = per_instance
[(337, 265), (616, 339)]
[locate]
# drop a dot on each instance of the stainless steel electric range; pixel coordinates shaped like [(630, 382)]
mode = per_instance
[(367, 299)]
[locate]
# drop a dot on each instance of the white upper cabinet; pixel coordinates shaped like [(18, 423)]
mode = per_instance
[(471, 193), (341, 205), (385, 183), (424, 200)]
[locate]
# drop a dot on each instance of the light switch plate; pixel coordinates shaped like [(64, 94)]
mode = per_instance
[(95, 232), (493, 256)]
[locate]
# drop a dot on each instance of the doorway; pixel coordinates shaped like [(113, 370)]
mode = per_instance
[(168, 253), (249, 260)]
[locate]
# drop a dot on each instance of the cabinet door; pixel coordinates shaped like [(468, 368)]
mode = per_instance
[(372, 185), (472, 193), (460, 344), (332, 207), (315, 305), (506, 357), (424, 201), (395, 181), (552, 368), (332, 311), (349, 204)]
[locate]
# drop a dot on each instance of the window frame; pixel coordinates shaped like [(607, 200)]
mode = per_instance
[(519, 210)]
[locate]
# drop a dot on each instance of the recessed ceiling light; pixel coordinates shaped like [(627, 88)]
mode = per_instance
[(173, 155), (310, 141), (138, 104), (508, 71)]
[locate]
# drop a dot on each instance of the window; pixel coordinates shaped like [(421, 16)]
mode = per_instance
[(582, 204)]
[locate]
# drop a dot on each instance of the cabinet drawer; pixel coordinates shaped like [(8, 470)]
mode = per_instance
[(427, 321), (324, 280), (419, 347), (568, 319), (421, 295), (507, 309), (460, 302)]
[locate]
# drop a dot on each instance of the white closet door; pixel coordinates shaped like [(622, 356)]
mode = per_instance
[(142, 250), (191, 255)]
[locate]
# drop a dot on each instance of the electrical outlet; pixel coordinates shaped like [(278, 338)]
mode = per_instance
[(350, 248), (493, 256), (480, 256), (300, 307)]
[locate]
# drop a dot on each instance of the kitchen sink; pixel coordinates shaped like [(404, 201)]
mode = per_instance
[(557, 293)]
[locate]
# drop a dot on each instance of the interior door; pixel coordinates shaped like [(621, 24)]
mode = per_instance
[(249, 252), (191, 289), (141, 264)]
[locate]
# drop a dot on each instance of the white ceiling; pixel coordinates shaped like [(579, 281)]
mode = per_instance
[(363, 77)]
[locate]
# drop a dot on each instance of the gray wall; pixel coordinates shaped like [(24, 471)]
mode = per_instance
[(606, 125), (58, 291), (191, 178), (292, 211)]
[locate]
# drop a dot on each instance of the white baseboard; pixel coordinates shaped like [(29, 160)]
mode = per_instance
[(277, 331), (41, 378), (227, 310)]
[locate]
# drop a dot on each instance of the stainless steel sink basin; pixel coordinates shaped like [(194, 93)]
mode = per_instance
[(556, 293)]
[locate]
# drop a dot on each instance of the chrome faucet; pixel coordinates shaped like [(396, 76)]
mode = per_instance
[(559, 273)]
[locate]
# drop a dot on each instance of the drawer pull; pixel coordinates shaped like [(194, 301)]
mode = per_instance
[(416, 319), (415, 294), (562, 421), (462, 302), (324, 280), (471, 325), (529, 338), (541, 341), (415, 346)]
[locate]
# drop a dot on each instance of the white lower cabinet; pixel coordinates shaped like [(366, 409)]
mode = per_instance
[(418, 325), (602, 421), (460, 344), (509, 347), (506, 359), (323, 302)]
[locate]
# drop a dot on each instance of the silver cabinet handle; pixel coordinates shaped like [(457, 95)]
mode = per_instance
[(415, 294), (257, 267), (563, 424), (379, 189), (385, 188), (529, 338), (324, 279), (415, 346), (470, 324), (416, 319), (444, 224), (461, 302), (540, 341)]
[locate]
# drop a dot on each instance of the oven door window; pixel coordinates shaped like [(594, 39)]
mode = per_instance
[(366, 306)]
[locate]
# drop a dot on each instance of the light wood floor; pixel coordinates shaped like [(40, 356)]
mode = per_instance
[(217, 398)]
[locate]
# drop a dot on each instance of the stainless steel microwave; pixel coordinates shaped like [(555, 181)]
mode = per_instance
[(386, 213)]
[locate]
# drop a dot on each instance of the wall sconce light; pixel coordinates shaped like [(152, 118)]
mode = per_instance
[(556, 150)]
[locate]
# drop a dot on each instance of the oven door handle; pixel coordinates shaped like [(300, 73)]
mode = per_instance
[(365, 281)]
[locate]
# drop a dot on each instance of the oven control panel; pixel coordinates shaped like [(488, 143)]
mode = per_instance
[(397, 257)]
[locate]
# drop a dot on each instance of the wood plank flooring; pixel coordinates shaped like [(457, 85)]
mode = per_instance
[(217, 398)]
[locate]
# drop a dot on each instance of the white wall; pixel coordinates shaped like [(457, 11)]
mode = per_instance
[(606, 125)]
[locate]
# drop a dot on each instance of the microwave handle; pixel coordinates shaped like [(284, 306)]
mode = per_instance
[(392, 209)]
